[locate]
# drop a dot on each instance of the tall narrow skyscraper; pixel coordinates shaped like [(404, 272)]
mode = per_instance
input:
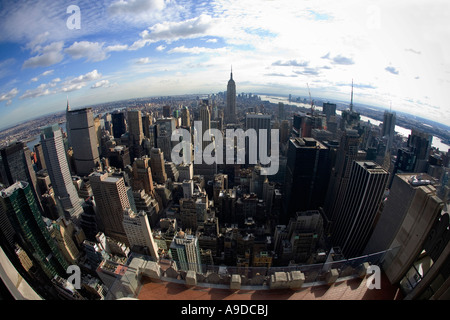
[(388, 129), (157, 166), (340, 174), (185, 117), (58, 170), (354, 221), (119, 126), (205, 118), (142, 175), (230, 111), (83, 140), (136, 133)]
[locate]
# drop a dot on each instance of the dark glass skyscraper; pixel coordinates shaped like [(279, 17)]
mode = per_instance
[(15, 165), (388, 128), (307, 175), (119, 126), (28, 229)]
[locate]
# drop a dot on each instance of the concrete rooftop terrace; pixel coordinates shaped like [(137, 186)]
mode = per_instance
[(353, 289)]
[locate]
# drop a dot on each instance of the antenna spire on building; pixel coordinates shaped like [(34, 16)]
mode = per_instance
[(351, 101), (68, 107)]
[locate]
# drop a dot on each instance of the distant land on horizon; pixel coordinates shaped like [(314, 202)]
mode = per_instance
[(340, 105)]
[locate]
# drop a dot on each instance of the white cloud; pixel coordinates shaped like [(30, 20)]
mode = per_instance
[(339, 59), (173, 31), (100, 84), (90, 76), (49, 55), (43, 74), (196, 50), (9, 96), (80, 81), (41, 90), (160, 48), (142, 60), (293, 63), (48, 72), (117, 47), (69, 85), (92, 51), (135, 6)]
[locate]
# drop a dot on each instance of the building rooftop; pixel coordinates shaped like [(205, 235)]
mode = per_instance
[(354, 289)]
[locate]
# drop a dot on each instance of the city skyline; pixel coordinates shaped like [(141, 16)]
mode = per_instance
[(114, 50)]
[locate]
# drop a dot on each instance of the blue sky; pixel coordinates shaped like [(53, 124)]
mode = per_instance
[(397, 52)]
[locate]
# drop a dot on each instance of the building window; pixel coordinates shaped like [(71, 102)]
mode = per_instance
[(416, 273)]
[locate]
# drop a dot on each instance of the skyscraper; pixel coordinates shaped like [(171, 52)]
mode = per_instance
[(230, 111), (83, 140), (307, 175), (415, 226), (147, 121), (281, 111), (135, 133), (58, 170), (340, 173), (185, 117), (420, 144), (21, 215), (388, 128), (165, 127), (354, 221), (40, 161), (139, 233), (111, 197), (15, 165), (205, 118), (166, 111), (142, 175), (119, 125), (157, 166), (259, 122), (329, 109), (411, 196), (63, 232), (186, 252)]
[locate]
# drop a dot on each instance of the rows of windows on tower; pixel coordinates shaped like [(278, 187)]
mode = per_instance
[(102, 185)]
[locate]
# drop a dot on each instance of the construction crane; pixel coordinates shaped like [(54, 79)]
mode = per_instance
[(312, 103)]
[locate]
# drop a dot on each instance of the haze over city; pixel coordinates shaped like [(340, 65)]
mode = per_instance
[(111, 50)]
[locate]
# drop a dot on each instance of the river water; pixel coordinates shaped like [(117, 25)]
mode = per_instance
[(437, 143)]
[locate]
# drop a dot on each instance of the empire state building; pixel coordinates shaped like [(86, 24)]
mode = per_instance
[(230, 111)]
